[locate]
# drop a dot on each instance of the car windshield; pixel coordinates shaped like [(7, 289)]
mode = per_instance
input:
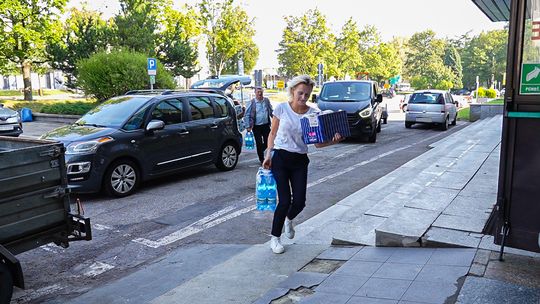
[(426, 98), (113, 112), (345, 91)]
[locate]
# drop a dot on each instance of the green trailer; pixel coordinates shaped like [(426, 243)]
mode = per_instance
[(34, 205)]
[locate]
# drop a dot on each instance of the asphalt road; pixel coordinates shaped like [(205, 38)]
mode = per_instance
[(204, 206)]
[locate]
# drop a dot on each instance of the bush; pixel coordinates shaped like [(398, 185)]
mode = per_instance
[(491, 93), (105, 75), (481, 92), (71, 108)]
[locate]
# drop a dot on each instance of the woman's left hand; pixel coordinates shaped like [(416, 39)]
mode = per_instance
[(337, 138)]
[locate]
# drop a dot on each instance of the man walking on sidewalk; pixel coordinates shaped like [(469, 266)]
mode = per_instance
[(258, 115)]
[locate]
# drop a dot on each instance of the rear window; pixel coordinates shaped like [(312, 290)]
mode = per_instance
[(427, 98), (346, 91)]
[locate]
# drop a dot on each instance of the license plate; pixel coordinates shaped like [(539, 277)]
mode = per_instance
[(423, 119), (6, 128)]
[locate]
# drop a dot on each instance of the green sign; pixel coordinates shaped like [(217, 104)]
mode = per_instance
[(530, 79), (152, 79)]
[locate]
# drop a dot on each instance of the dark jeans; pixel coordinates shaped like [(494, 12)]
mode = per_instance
[(290, 171), (260, 132)]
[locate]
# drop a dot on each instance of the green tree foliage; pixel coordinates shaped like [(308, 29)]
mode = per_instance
[(84, 33), (306, 42), (177, 47), (137, 24), (382, 61), (249, 55), (452, 59), (424, 64), (228, 31), (485, 56), (26, 27), (105, 75), (347, 50)]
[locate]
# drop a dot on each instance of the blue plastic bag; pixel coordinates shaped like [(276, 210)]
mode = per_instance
[(26, 114)]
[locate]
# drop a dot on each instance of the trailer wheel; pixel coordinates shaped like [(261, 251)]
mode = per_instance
[(6, 284)]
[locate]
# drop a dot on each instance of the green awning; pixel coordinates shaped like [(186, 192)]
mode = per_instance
[(495, 10)]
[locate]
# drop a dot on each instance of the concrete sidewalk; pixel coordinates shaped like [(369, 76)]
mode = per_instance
[(439, 199)]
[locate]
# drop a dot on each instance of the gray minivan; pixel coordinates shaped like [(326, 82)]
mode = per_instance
[(431, 107), (361, 101)]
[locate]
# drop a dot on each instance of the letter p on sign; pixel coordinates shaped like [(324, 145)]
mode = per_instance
[(152, 66)]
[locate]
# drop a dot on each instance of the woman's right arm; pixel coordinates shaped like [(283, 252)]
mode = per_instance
[(267, 163)]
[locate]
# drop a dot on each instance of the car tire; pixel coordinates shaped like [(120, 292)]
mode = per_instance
[(408, 125), (373, 137), (379, 127), (227, 157), (6, 284), (444, 126), (385, 120), (454, 122), (121, 178)]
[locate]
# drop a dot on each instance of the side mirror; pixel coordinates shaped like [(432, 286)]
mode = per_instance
[(155, 125), (379, 98), (314, 98)]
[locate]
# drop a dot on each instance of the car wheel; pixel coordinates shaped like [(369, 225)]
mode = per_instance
[(408, 125), (122, 178), (6, 284), (444, 126), (227, 157), (454, 121), (385, 120), (379, 127), (373, 137)]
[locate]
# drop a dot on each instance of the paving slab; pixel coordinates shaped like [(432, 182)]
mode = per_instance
[(303, 279), (430, 292), (325, 298), (342, 284), (384, 288), (436, 237), (226, 282), (463, 223), (432, 198), (340, 252), (405, 227), (442, 273), (469, 206)]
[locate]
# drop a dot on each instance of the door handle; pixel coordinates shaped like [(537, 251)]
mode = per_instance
[(213, 126), (183, 132)]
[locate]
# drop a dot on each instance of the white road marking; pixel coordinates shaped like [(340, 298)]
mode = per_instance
[(101, 227), (30, 294), (216, 219), (98, 268)]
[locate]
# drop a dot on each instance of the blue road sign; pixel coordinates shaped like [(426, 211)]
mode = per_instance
[(152, 66)]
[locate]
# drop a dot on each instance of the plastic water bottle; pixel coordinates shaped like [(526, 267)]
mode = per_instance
[(260, 192), (250, 141), (271, 190)]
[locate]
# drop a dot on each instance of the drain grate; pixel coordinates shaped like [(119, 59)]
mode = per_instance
[(322, 266)]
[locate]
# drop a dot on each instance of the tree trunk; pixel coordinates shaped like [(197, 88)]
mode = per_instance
[(27, 80)]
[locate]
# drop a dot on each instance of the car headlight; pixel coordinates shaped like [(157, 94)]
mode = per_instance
[(13, 118), (366, 112), (86, 147)]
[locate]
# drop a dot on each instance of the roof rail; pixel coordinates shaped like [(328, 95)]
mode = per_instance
[(143, 92)]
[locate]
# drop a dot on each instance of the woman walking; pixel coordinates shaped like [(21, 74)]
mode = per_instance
[(287, 157)]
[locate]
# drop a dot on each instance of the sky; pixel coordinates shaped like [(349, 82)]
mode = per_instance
[(393, 18)]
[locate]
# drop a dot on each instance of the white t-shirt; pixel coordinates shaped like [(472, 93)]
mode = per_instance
[(289, 134)]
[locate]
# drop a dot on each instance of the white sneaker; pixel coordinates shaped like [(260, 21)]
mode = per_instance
[(289, 229), (276, 246)]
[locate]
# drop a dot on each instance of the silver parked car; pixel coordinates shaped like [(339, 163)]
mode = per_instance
[(10, 122), (432, 107)]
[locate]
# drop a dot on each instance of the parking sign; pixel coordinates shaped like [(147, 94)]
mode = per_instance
[(152, 66)]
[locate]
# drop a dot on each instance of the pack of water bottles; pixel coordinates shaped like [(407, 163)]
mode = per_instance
[(265, 190), (249, 140)]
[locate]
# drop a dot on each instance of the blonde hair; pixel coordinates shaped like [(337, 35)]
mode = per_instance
[(302, 79)]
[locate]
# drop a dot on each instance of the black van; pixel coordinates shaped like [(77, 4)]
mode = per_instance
[(141, 135), (362, 102)]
